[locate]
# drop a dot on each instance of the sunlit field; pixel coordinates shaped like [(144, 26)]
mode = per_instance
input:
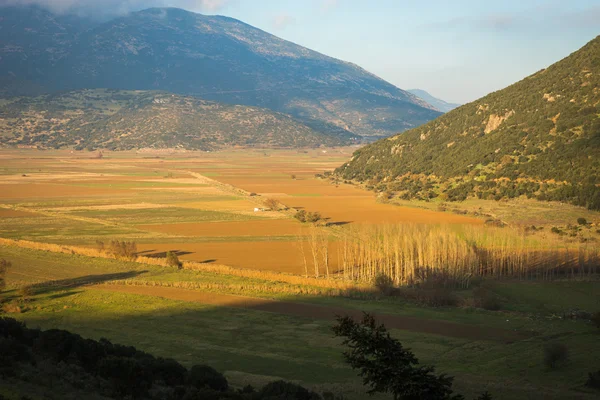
[(471, 287)]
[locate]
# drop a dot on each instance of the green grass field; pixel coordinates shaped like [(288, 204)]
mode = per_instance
[(254, 346)]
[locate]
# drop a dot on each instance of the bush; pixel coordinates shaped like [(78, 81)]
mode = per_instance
[(202, 376), (596, 319), (593, 380), (271, 204), (384, 284), (581, 221), (173, 260), (313, 217), (288, 391), (555, 355), (123, 249), (486, 299), (300, 216)]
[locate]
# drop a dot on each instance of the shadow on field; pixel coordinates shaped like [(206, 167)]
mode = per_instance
[(162, 254), (338, 223), (71, 283)]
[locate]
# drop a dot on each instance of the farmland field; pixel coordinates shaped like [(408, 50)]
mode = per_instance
[(247, 300)]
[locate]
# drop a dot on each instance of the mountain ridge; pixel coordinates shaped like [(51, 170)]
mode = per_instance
[(539, 138), (213, 57), (125, 120), (439, 104)]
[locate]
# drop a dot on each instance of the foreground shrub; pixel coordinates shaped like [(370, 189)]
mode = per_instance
[(288, 391), (596, 319), (593, 380), (386, 366), (202, 376), (555, 355)]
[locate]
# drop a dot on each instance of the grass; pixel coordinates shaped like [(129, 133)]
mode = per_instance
[(253, 345), (249, 344), (165, 215)]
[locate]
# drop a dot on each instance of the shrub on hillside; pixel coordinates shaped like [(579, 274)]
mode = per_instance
[(593, 380), (555, 355), (581, 221), (288, 391), (596, 319), (202, 376)]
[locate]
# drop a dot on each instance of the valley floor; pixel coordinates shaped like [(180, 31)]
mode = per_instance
[(266, 320)]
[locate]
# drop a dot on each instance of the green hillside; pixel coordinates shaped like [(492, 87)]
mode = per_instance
[(539, 137), (122, 120)]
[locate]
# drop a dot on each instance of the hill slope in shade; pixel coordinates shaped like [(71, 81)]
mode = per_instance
[(122, 120), (539, 137), (439, 104), (212, 57)]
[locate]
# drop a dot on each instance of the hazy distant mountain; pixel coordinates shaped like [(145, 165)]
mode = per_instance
[(439, 104), (122, 120), (212, 57), (539, 137)]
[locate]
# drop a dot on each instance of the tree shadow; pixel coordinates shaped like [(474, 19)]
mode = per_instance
[(338, 223), (71, 283), (162, 254)]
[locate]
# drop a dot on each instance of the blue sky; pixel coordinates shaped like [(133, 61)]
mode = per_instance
[(457, 50)]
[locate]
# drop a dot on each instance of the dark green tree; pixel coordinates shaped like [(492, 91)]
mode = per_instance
[(386, 366)]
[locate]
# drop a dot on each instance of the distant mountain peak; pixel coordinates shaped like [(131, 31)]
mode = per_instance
[(439, 104), (213, 57)]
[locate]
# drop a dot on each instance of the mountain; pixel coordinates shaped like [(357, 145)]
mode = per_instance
[(212, 57), (539, 137), (439, 104), (123, 120)]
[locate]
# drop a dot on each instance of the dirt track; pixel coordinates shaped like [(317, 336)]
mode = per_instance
[(413, 324)]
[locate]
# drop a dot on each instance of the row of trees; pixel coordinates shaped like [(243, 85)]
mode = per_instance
[(410, 254)]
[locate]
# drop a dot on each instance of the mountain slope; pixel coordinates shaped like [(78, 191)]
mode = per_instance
[(215, 58), (539, 137), (123, 120), (439, 104)]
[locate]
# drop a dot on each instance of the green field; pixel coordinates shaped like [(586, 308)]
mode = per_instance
[(253, 346)]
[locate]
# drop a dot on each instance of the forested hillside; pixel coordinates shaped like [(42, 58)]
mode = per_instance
[(122, 120), (538, 138)]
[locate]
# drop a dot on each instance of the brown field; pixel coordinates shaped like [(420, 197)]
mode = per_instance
[(164, 193), (27, 191), (272, 227), (282, 256), (8, 213)]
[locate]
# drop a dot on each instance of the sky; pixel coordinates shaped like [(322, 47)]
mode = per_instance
[(456, 50)]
